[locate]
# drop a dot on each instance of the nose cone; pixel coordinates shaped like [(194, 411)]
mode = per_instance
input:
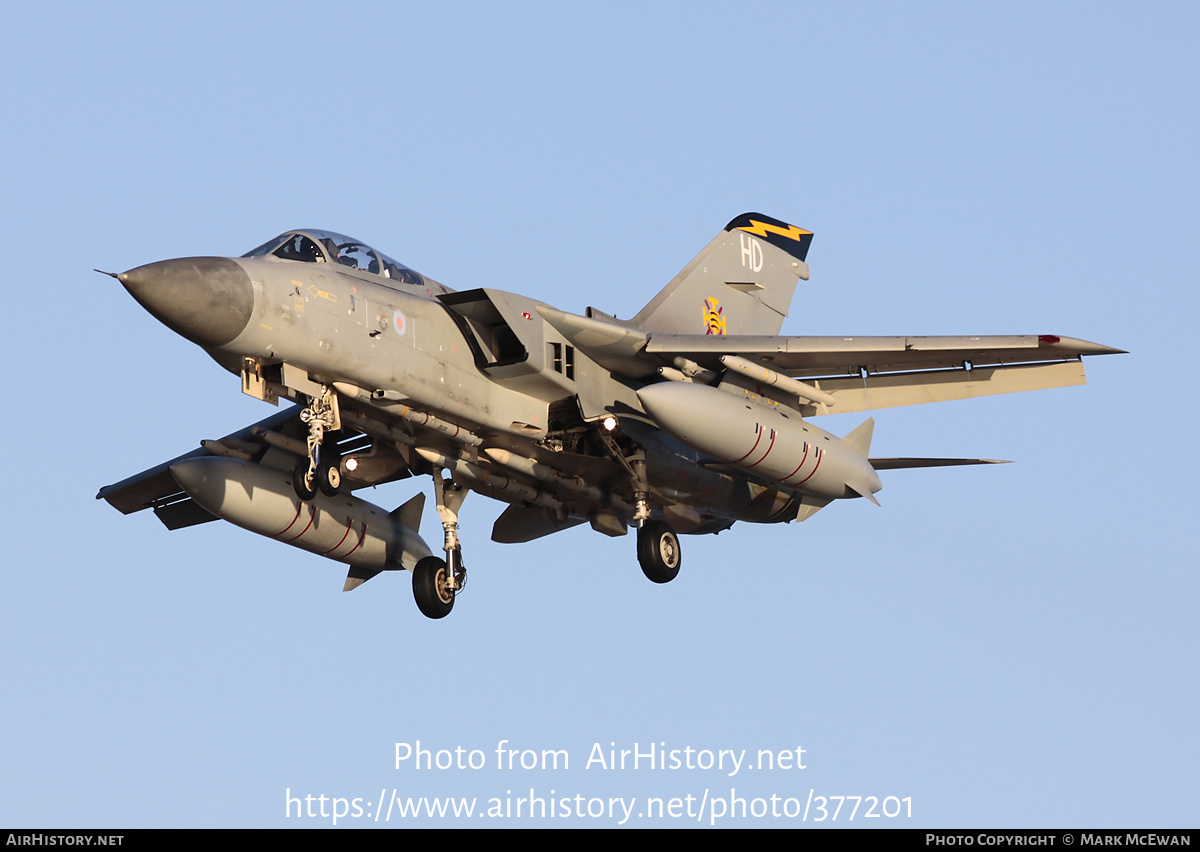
[(198, 478), (208, 300), (685, 409)]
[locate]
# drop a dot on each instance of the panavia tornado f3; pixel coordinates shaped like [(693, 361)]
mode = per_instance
[(688, 417)]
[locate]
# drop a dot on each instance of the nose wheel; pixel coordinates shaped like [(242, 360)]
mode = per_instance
[(306, 488), (658, 551)]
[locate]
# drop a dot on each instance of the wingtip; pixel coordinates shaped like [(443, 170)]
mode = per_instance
[(1082, 347)]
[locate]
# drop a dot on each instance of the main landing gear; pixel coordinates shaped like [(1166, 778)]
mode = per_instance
[(658, 548), (322, 471), (437, 581), (433, 587), (658, 551)]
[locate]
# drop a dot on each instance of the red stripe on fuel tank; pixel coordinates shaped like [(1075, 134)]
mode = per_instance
[(797, 470), (299, 506), (814, 470), (361, 538), (770, 447), (349, 526), (312, 514), (752, 449)]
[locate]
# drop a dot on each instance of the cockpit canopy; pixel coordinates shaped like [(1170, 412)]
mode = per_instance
[(327, 247)]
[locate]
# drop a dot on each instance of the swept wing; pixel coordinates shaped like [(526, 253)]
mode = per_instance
[(859, 373)]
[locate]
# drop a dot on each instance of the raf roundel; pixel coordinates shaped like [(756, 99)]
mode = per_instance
[(399, 322)]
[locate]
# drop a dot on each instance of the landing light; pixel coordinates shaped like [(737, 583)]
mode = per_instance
[(610, 423), (351, 464)]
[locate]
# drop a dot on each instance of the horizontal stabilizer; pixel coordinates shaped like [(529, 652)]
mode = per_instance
[(899, 464)]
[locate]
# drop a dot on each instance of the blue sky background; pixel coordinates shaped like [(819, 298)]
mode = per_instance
[(1009, 646)]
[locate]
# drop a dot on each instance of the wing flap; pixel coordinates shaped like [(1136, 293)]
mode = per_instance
[(855, 393), (863, 373)]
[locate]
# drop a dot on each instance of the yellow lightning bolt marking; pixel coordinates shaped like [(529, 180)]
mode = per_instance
[(761, 229)]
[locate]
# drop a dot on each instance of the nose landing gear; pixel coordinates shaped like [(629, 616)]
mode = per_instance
[(322, 471)]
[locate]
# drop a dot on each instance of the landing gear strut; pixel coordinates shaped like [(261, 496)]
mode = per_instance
[(658, 551), (658, 548), (323, 469), (437, 581)]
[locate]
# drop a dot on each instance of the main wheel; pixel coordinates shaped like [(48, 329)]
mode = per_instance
[(329, 474), (658, 551), (432, 587), (305, 490)]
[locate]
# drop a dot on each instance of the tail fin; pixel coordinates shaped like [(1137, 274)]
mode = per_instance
[(742, 283)]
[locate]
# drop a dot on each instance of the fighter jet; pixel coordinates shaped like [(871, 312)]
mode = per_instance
[(687, 418)]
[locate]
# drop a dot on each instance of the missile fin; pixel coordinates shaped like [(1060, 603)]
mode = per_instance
[(358, 576), (860, 438), (809, 506), (862, 492), (410, 513)]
